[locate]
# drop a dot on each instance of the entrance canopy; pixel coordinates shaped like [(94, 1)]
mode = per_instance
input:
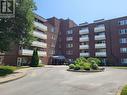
[(58, 57)]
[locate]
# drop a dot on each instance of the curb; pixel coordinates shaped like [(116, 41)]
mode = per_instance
[(93, 71), (22, 73), (119, 90), (15, 78)]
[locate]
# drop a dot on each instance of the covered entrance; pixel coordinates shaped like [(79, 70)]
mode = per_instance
[(58, 60)]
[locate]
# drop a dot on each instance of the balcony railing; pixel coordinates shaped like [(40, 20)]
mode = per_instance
[(103, 45), (39, 44), (84, 31), (84, 46), (27, 52), (40, 26), (99, 29), (100, 37), (40, 35), (84, 54), (84, 39), (101, 54)]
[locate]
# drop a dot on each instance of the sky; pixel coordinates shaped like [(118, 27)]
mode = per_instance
[(82, 10)]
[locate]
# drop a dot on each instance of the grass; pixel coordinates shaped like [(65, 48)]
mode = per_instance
[(120, 67), (5, 70), (124, 90)]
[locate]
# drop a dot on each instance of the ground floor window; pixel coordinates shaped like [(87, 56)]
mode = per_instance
[(124, 60), (1, 59), (23, 61)]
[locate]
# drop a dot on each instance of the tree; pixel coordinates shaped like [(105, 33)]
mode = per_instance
[(20, 28), (35, 59)]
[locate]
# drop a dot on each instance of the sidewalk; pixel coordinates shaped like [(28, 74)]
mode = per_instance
[(16, 75)]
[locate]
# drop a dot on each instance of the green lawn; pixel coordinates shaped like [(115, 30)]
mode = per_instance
[(124, 90), (120, 67), (5, 70)]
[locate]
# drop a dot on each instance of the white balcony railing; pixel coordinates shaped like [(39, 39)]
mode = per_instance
[(103, 45), (84, 54), (101, 54), (84, 31), (39, 44), (84, 39), (100, 37), (40, 26), (99, 29), (2, 53), (27, 52), (40, 35), (84, 46)]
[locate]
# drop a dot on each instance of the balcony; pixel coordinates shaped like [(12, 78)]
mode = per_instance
[(84, 54), (84, 31), (100, 37), (84, 39), (40, 35), (27, 52), (103, 45), (99, 28), (2, 53), (101, 54), (84, 46), (39, 44), (40, 26)]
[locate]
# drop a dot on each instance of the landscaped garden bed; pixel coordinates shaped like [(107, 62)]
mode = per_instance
[(5, 70), (86, 65), (124, 90)]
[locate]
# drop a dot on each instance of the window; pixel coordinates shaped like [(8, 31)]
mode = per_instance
[(101, 50), (100, 33), (101, 42), (123, 40), (52, 44), (124, 61), (70, 45), (84, 51), (84, 43), (123, 22), (53, 37), (70, 32), (53, 29), (69, 52), (52, 51), (69, 38), (82, 36), (84, 28), (123, 50), (123, 31), (0, 60)]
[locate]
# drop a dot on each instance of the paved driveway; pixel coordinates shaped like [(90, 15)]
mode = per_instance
[(57, 81)]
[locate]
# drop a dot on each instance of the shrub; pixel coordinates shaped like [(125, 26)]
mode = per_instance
[(71, 66), (94, 60), (40, 65), (94, 66), (77, 67), (87, 66), (35, 59), (80, 61), (124, 91), (4, 70)]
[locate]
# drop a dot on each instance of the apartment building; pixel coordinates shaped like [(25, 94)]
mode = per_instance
[(64, 34), (105, 39), (62, 40), (21, 55)]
